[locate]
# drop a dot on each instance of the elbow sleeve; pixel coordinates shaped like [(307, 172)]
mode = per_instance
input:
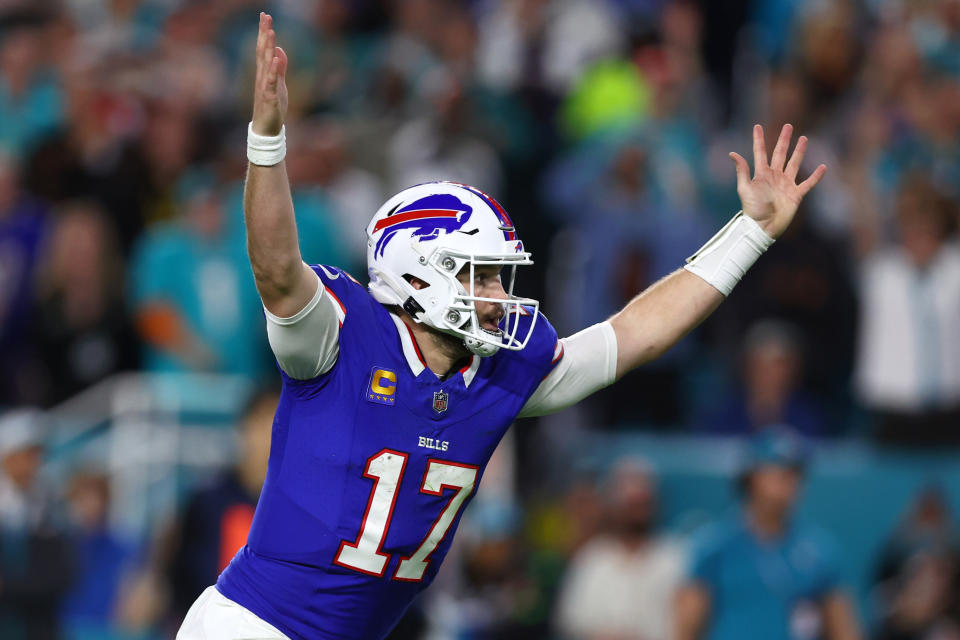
[(307, 343)]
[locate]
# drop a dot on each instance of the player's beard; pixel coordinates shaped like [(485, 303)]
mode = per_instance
[(452, 346)]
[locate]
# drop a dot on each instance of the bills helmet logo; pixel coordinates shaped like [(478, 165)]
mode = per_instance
[(428, 217), (441, 400)]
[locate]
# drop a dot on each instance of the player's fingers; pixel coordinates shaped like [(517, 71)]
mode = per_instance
[(265, 36), (261, 35), (780, 150), (812, 181), (743, 169), (759, 149), (268, 47), (793, 166), (282, 68), (273, 72), (261, 43)]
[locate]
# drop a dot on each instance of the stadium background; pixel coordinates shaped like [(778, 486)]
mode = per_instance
[(128, 314)]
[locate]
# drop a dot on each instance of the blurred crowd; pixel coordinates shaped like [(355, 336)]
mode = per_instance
[(604, 127), (590, 561)]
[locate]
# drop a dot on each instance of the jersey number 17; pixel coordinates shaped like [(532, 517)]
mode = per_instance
[(386, 469)]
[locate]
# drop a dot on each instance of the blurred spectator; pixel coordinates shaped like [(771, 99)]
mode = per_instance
[(917, 576), (104, 560), (120, 26), (167, 144), (354, 194), (921, 603), (628, 232), (582, 516), (81, 331), (26, 503), (495, 593), (828, 55), (22, 227), (186, 69), (316, 167), (409, 42), (30, 94), (195, 304), (908, 365), (806, 282), (620, 584), (762, 569), (558, 529), (927, 525), (772, 367), (95, 154), (544, 45), (35, 558), (343, 60), (623, 235), (217, 516), (440, 145)]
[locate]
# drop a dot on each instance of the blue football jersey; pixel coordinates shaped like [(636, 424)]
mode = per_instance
[(371, 466)]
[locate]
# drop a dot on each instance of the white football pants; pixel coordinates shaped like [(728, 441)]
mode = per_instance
[(215, 617)]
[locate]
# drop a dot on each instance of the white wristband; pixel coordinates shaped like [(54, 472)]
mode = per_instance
[(266, 151), (724, 259)]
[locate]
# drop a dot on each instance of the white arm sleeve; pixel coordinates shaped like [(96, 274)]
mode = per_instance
[(307, 343), (589, 363)]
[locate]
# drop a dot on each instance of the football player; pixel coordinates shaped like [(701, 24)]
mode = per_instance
[(395, 394)]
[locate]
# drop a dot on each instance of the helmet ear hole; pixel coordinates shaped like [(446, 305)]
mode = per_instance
[(415, 282)]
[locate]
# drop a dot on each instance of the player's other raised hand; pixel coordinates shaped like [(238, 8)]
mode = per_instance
[(772, 196), (270, 89)]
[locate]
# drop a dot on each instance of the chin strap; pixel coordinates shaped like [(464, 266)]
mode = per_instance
[(413, 308)]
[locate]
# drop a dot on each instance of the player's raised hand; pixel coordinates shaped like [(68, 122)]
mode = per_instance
[(772, 196), (270, 89)]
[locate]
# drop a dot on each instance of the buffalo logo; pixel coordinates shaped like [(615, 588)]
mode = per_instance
[(441, 400), (428, 217)]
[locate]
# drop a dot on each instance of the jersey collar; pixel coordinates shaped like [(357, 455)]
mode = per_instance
[(470, 370), (411, 353)]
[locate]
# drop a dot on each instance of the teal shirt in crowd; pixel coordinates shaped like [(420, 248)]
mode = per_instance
[(211, 287), (763, 588), (26, 118)]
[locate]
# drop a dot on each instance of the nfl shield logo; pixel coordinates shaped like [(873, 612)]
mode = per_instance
[(440, 401)]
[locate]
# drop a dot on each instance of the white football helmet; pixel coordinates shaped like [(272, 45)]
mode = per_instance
[(432, 231)]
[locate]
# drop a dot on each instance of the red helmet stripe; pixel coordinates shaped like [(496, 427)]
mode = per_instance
[(498, 210), (417, 214), (496, 205)]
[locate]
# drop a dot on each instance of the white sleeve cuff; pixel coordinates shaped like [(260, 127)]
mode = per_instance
[(725, 258)]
